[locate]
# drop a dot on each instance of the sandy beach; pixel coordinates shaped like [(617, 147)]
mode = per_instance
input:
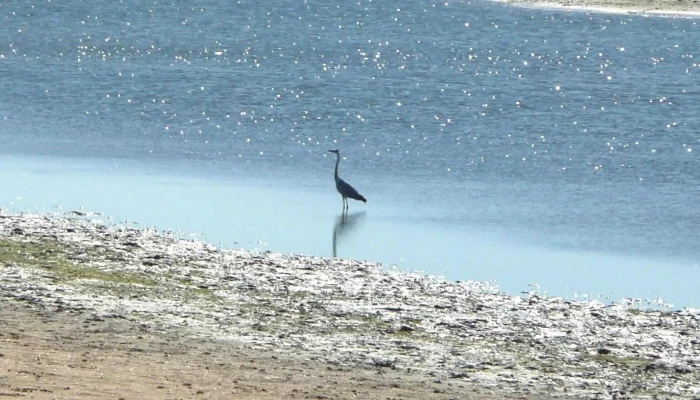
[(96, 311), (651, 7)]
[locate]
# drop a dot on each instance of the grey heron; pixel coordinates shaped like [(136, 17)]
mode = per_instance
[(343, 187)]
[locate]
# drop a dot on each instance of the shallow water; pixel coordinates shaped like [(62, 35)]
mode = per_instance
[(528, 146), (239, 213)]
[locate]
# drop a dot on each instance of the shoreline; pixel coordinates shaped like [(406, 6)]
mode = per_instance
[(458, 337), (684, 8)]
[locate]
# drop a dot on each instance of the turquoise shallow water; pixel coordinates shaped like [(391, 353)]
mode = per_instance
[(527, 146), (248, 214)]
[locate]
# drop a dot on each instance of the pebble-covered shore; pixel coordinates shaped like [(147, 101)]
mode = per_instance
[(351, 313)]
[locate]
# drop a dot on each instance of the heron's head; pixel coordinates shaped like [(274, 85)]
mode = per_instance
[(335, 151)]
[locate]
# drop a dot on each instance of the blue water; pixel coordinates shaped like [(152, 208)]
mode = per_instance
[(520, 145)]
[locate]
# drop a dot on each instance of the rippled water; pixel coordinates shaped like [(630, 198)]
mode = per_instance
[(568, 139)]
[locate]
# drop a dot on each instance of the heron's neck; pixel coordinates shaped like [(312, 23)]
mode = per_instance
[(337, 162)]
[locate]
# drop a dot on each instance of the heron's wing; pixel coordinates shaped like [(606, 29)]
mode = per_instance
[(348, 191)]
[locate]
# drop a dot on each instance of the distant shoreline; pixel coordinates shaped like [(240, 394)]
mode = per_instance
[(644, 7)]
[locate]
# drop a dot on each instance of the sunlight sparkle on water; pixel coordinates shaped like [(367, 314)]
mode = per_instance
[(220, 95)]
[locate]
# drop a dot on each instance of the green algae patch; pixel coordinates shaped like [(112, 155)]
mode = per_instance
[(52, 257), (38, 254), (618, 360), (73, 272)]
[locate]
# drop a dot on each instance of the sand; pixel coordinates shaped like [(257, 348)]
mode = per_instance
[(46, 354), (94, 311)]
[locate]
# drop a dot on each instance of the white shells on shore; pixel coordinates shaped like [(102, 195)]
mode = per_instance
[(351, 313)]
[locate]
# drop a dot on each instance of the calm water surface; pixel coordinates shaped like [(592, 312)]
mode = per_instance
[(525, 146)]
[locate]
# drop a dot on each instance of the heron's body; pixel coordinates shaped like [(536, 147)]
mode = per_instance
[(344, 188)]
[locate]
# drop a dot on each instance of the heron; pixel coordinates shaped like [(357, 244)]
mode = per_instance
[(343, 187)]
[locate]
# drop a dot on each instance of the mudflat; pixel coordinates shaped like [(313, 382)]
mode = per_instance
[(60, 354), (90, 310)]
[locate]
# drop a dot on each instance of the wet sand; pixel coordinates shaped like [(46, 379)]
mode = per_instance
[(95, 311), (49, 354)]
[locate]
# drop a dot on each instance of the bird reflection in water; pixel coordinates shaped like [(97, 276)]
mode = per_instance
[(344, 224)]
